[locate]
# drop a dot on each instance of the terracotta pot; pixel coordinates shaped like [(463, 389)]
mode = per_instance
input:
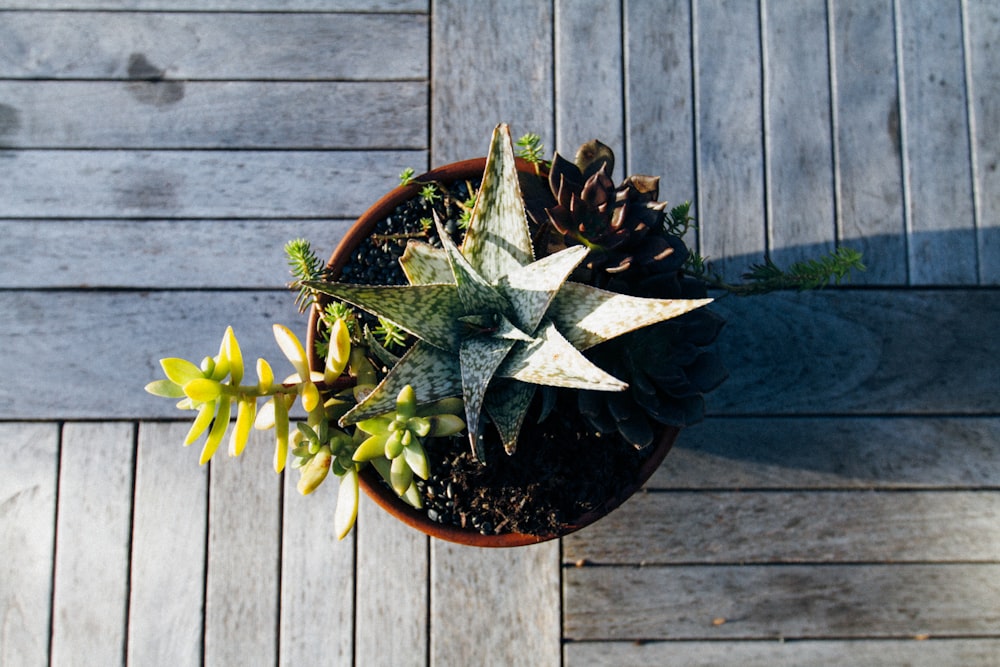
[(370, 480)]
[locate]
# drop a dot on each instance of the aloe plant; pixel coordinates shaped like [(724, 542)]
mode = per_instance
[(492, 322)]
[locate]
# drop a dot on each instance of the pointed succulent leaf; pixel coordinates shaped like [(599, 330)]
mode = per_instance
[(412, 497), (507, 403), (280, 433), (245, 413), (310, 396), (498, 240), (444, 425), (406, 402), (530, 289), (552, 360), (265, 377), (347, 504), (371, 448), (400, 475), (426, 311), (375, 425), (476, 294), (265, 416), (479, 357), (587, 315), (424, 264), (434, 374)]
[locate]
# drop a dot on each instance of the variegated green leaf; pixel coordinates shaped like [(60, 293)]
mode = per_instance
[(433, 373), (531, 288), (507, 403), (587, 316), (477, 295), (428, 312), (425, 264), (552, 360), (498, 240), (479, 356)]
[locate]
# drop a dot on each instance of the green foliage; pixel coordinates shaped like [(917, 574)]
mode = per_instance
[(767, 276), (304, 266), (391, 335), (530, 148), (406, 176), (503, 315), (429, 193)]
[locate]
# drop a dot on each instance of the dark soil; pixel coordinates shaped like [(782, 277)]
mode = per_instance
[(561, 469)]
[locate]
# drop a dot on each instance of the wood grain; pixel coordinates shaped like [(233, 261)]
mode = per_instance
[(659, 98), (196, 184), (867, 138), (345, 115), (860, 352), (317, 579), (501, 75), (805, 653), (157, 254), (392, 591), (485, 601), (213, 46), (784, 602), (835, 453), (797, 130), (729, 125), (942, 248), (794, 526), (244, 555), (982, 34), (28, 482), (167, 582), (589, 78), (90, 596)]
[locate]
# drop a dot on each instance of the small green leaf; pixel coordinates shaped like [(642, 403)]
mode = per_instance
[(265, 377), (314, 472), (347, 504), (339, 352), (165, 388), (371, 448), (406, 402), (293, 350), (443, 425), (416, 458), (205, 414), (280, 433), (202, 390), (218, 430), (245, 414), (235, 356), (180, 371), (400, 475)]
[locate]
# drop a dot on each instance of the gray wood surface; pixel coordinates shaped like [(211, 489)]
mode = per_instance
[(28, 485), (838, 506)]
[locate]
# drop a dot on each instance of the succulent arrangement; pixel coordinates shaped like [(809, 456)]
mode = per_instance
[(589, 290)]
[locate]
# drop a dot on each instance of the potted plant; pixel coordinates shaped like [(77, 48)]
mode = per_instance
[(500, 351)]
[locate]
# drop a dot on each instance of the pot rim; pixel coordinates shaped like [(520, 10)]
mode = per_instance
[(370, 481)]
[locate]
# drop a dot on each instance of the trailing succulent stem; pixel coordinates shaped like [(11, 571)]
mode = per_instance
[(768, 277)]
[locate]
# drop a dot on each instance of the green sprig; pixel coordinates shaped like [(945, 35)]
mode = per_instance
[(767, 276)]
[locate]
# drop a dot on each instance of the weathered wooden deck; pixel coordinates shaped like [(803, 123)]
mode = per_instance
[(841, 505)]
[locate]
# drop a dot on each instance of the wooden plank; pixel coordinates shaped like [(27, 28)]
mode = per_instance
[(659, 102), (90, 596), (782, 602), (853, 352), (227, 5), (511, 56), (221, 46), (932, 653), (794, 526), (797, 130), (392, 591), (317, 580), (729, 127), (588, 78), (196, 184), (244, 557), (156, 254), (866, 117), (28, 483), (113, 342), (199, 114), (982, 33), (939, 207), (499, 605), (166, 593), (835, 453)]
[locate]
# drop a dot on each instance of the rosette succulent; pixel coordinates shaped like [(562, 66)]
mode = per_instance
[(492, 323)]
